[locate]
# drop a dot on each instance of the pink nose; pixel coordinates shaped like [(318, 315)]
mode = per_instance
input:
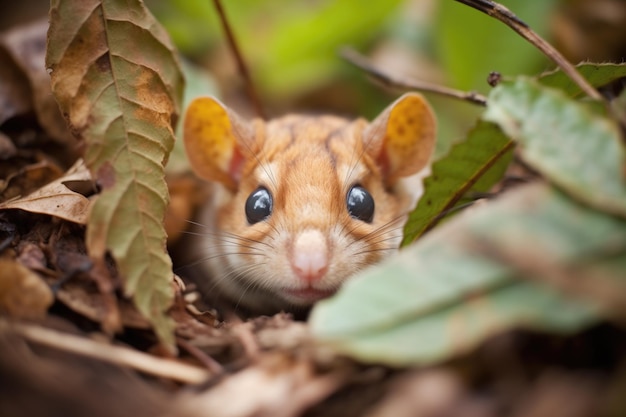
[(309, 258)]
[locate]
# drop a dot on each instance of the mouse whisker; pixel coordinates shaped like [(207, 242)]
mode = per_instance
[(376, 235), (237, 274), (235, 245), (275, 229), (234, 239), (215, 256), (374, 250), (247, 239), (390, 226), (245, 285)]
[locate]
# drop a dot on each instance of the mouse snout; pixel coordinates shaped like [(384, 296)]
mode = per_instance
[(309, 256)]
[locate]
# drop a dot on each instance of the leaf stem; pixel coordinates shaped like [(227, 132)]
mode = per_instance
[(241, 64), (363, 63), (507, 17)]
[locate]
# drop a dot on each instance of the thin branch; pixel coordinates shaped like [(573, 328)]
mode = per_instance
[(211, 364), (363, 63), (143, 362), (241, 64), (507, 17)]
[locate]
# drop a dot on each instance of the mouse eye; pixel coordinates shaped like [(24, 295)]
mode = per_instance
[(258, 205), (360, 204)]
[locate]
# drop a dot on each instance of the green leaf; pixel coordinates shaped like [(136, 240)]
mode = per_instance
[(116, 77), (452, 329), (473, 165), (619, 108), (570, 144), (580, 252), (453, 289), (598, 75)]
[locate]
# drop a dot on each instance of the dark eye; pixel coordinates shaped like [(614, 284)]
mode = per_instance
[(360, 204), (258, 205)]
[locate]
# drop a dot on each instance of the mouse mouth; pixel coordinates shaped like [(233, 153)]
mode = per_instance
[(307, 295)]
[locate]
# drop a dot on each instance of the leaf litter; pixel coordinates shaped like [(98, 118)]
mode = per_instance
[(266, 366), (56, 199)]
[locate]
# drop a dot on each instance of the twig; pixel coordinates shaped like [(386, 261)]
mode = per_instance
[(113, 354), (211, 364), (241, 64), (363, 63), (507, 17)]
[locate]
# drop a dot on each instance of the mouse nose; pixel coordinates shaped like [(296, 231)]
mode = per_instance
[(309, 257)]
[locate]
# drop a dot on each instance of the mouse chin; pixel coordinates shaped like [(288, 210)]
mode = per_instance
[(305, 296)]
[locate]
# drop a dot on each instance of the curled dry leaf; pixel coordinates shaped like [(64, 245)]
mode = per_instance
[(23, 293), (22, 177), (56, 199)]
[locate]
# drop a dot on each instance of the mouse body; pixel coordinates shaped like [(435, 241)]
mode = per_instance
[(300, 203)]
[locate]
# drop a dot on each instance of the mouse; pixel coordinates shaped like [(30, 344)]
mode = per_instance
[(299, 204)]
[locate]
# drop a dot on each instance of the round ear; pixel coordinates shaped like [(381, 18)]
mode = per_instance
[(212, 135), (402, 138)]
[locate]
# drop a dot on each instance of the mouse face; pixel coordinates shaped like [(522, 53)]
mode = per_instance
[(301, 203)]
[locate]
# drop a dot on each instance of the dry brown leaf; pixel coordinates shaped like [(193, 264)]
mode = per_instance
[(420, 393), (15, 96), (47, 383), (23, 293), (89, 303), (32, 257), (56, 199), (22, 176), (26, 45), (276, 386), (7, 148)]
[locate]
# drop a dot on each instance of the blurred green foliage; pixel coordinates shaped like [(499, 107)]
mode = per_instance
[(289, 44), (295, 42), (291, 48), (470, 44)]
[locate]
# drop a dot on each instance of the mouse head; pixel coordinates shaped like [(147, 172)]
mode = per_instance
[(314, 197), (401, 139)]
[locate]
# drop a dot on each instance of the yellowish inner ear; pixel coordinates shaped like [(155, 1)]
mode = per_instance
[(209, 140), (410, 136)]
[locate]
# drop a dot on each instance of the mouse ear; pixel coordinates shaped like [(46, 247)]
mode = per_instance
[(212, 134), (402, 138)]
